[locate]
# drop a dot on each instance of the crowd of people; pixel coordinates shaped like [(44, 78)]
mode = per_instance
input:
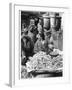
[(35, 38)]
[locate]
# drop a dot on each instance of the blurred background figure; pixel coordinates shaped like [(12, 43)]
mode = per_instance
[(24, 30), (40, 26), (32, 30)]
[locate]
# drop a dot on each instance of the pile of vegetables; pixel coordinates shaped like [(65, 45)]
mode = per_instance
[(42, 61)]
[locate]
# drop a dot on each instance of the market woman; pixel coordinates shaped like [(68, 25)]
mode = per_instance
[(26, 48), (39, 45)]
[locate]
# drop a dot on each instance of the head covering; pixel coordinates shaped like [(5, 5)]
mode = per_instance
[(25, 31), (47, 32)]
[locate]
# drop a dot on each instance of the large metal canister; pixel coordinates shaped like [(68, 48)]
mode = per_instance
[(52, 19), (55, 21), (46, 21), (58, 23)]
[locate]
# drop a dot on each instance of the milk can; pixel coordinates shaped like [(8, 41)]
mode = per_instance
[(58, 23), (55, 21), (46, 21), (52, 19)]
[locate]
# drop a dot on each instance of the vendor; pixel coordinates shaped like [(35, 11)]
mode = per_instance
[(26, 48), (47, 41), (39, 45)]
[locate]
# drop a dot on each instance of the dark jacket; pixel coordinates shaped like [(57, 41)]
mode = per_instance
[(27, 47)]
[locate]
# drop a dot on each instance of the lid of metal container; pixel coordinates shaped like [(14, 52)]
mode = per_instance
[(46, 15), (54, 14)]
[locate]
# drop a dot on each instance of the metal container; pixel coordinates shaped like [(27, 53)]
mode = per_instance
[(46, 21), (55, 21)]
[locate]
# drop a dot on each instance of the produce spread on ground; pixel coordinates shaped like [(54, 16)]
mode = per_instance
[(43, 62)]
